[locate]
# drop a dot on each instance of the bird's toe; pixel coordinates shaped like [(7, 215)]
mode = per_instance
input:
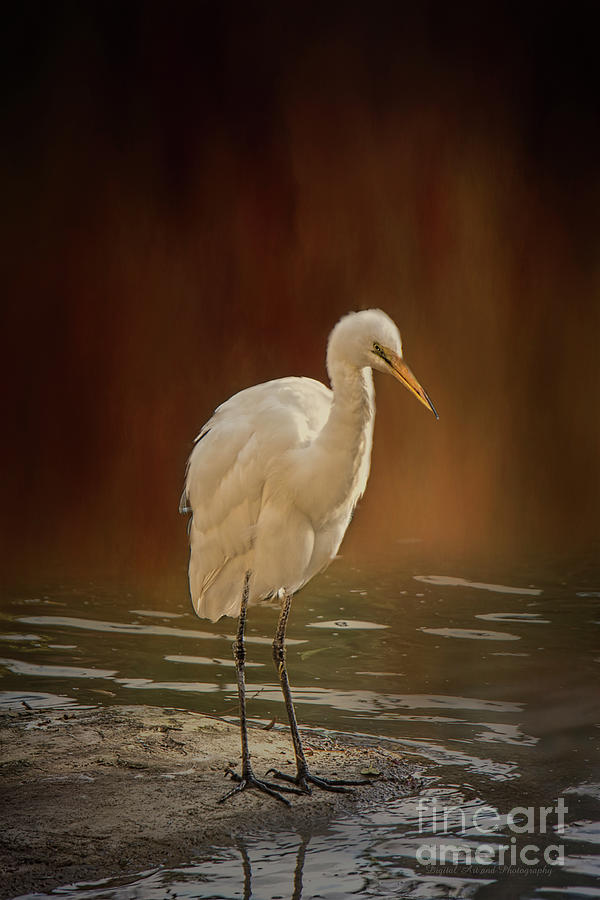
[(302, 784), (248, 780), (305, 779)]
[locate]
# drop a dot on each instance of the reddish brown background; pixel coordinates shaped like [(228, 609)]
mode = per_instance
[(195, 192)]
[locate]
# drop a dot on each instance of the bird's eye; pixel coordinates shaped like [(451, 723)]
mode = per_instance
[(377, 349)]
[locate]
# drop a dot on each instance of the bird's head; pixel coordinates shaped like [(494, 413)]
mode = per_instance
[(369, 338)]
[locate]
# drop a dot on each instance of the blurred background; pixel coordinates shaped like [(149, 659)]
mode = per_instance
[(194, 193)]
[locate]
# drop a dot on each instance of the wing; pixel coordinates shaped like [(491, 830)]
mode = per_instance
[(226, 477)]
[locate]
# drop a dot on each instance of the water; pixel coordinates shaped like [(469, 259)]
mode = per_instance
[(488, 680)]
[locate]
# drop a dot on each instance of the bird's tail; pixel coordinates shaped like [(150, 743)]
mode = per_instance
[(218, 592)]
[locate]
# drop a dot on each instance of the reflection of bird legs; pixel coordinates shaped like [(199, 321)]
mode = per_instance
[(247, 778), (247, 867), (299, 870), (303, 777)]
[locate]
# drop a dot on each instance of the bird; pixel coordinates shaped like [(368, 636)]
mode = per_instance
[(270, 488)]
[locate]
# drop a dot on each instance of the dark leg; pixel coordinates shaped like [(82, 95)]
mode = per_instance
[(298, 872), (303, 778), (247, 867), (247, 778)]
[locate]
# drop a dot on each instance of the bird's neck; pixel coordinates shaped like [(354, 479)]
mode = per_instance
[(343, 448), (353, 407)]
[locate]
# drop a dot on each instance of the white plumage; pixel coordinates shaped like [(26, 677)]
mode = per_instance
[(275, 474)]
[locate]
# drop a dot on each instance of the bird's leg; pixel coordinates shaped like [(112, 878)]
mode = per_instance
[(247, 778), (303, 777), (279, 660)]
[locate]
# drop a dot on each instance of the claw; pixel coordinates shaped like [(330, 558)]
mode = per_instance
[(293, 779), (304, 779), (249, 780)]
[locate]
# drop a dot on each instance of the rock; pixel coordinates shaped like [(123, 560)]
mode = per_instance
[(143, 796)]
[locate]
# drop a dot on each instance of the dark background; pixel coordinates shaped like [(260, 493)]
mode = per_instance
[(193, 193)]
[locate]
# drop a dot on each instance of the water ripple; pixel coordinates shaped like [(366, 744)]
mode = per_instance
[(479, 585), (472, 634), (133, 628)]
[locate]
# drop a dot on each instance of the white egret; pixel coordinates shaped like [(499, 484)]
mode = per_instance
[(272, 483)]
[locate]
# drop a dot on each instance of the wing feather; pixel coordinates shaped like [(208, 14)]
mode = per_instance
[(227, 474)]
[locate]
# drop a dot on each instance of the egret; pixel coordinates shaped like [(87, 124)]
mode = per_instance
[(271, 485)]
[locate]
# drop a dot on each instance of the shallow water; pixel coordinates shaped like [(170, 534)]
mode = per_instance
[(489, 680)]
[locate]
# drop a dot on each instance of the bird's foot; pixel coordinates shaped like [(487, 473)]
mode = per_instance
[(249, 780), (304, 779)]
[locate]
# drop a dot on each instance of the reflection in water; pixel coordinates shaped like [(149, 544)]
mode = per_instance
[(247, 865), (471, 634), (297, 875), (346, 623), (479, 585), (17, 638), (129, 628), (35, 700), (155, 613), (207, 661), (528, 617), (300, 859), (277, 868), (498, 719), (20, 667)]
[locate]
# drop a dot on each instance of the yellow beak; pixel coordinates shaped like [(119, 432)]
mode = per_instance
[(400, 370)]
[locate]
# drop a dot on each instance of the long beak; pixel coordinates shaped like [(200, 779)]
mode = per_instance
[(400, 370)]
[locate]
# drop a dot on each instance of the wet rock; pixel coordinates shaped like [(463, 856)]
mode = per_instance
[(152, 793)]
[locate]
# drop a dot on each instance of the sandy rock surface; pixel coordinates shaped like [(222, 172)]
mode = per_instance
[(91, 793)]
